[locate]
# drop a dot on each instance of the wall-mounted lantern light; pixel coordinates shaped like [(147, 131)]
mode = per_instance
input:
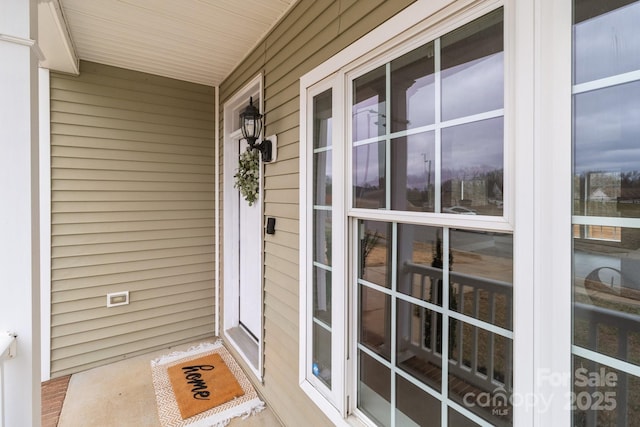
[(251, 125)]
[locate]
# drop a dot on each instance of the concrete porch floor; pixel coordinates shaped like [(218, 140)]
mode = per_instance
[(121, 395)]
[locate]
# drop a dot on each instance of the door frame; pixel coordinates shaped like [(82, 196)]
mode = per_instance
[(250, 351)]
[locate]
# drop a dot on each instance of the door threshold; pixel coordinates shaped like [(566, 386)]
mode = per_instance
[(246, 345)]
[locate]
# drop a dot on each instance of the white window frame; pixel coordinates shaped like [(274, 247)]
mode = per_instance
[(537, 116), (332, 402)]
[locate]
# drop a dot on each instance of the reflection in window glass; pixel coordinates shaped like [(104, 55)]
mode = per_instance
[(488, 355), (415, 407), (427, 292), (420, 262), (323, 174), (606, 196), (606, 151), (473, 168), (612, 402), (375, 252), (458, 420), (408, 315), (473, 68), (374, 389), (322, 353), (482, 276), (322, 233), (470, 171), (369, 104), (369, 172), (322, 119), (413, 89), (321, 289), (322, 295), (374, 320), (606, 41), (419, 347), (607, 294), (413, 172)]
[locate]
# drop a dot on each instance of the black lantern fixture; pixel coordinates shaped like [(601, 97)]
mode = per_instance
[(251, 125)]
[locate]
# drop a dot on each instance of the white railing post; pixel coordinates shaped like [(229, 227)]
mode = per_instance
[(8, 347), (20, 215), (8, 350)]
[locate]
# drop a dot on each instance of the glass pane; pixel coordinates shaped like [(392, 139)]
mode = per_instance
[(603, 396), (419, 347), (606, 151), (606, 41), (369, 172), (472, 168), (413, 89), (414, 406), (322, 120), (456, 419), (413, 172), (472, 67), (322, 295), (481, 372), (322, 236), (369, 105), (374, 389), (606, 294), (375, 321), (375, 252), (481, 276), (321, 286), (322, 178), (420, 262), (321, 367)]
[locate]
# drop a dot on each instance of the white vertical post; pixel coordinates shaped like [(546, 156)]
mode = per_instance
[(552, 211), (45, 222), (19, 217)]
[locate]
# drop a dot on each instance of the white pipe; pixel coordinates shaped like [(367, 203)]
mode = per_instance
[(217, 207)]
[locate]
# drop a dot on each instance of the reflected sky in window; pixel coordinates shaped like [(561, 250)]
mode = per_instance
[(472, 68), (472, 150), (369, 104), (413, 89), (473, 87), (607, 129), (606, 45)]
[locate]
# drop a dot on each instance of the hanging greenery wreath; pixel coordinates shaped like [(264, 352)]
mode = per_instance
[(247, 179)]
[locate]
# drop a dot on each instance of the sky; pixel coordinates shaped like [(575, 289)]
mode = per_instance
[(607, 121)]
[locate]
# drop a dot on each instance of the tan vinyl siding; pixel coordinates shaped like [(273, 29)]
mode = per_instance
[(132, 165), (311, 33)]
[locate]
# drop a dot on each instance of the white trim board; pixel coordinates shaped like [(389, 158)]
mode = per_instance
[(45, 222)]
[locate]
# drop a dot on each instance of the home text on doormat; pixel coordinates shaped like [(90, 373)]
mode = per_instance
[(203, 383)]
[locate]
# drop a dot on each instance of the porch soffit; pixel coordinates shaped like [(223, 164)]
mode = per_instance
[(199, 41)]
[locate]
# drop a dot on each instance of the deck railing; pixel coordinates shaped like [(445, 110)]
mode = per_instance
[(479, 363), (7, 351), (482, 299), (610, 331)]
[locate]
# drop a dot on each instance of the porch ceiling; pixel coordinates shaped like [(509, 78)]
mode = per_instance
[(199, 41)]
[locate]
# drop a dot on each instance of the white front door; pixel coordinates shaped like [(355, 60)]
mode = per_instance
[(250, 262), (242, 235)]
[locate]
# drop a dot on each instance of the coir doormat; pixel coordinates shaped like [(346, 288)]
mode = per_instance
[(202, 387)]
